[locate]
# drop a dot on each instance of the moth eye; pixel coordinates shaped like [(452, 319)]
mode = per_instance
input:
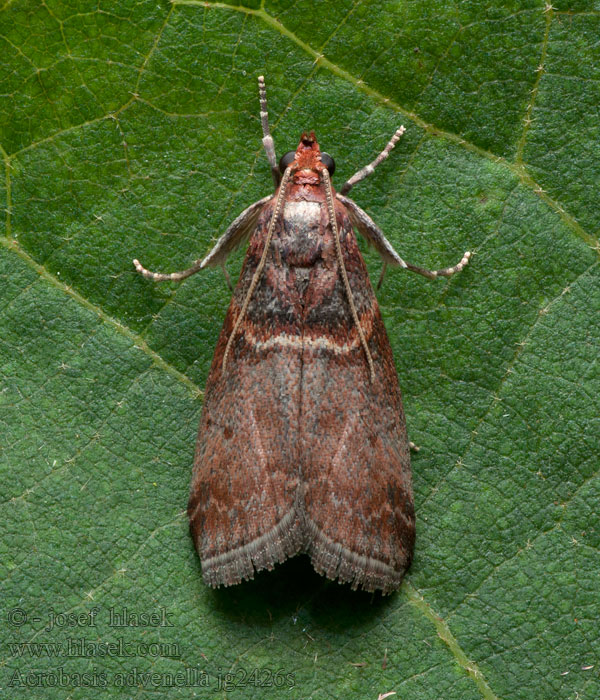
[(328, 162), (285, 160)]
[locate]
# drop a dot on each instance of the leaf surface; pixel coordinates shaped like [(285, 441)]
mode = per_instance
[(131, 129)]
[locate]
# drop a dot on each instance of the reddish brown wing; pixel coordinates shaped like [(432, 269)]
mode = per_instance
[(355, 454), (297, 447), (243, 508)]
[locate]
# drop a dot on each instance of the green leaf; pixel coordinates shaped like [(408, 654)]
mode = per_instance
[(131, 129)]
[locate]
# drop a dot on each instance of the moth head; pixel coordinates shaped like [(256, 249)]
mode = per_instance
[(307, 157)]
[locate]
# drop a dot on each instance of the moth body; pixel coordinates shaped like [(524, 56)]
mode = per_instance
[(302, 444), (314, 448)]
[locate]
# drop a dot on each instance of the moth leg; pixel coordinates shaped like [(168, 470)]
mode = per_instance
[(164, 277), (368, 169), (374, 235), (237, 232), (445, 272), (267, 138), (226, 275), (382, 275)]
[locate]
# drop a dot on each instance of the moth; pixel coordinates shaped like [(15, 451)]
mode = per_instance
[(302, 444)]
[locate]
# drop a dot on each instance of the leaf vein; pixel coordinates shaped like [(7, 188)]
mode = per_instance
[(121, 328), (445, 634)]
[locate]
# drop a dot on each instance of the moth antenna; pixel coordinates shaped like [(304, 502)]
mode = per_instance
[(368, 169), (338, 248), (261, 264), (268, 143)]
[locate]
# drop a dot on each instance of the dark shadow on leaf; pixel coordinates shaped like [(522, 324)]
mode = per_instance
[(294, 588)]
